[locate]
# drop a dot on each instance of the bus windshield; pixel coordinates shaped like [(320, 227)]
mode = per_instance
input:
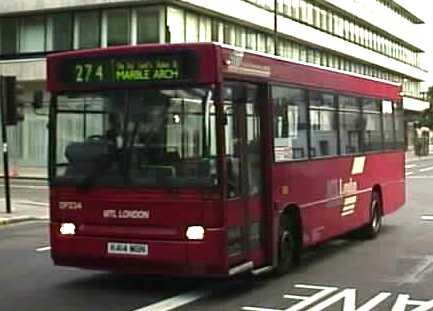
[(157, 138)]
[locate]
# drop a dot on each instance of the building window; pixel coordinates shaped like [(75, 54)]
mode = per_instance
[(89, 30), (229, 34), (192, 28), (118, 27), (148, 24), (205, 29), (32, 34), (251, 40), (270, 45), (323, 125), (290, 125), (240, 36), (175, 25), (261, 42), (9, 36), (59, 32)]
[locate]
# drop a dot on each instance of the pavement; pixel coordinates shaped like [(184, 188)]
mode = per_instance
[(23, 210), (28, 210)]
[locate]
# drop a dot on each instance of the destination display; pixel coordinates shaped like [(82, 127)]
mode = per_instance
[(131, 69)]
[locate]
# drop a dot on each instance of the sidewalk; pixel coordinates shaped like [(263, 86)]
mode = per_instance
[(411, 157), (23, 210)]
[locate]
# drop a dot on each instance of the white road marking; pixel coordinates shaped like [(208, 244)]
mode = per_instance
[(426, 217), (43, 249), (430, 168), (175, 302), (420, 177), (410, 166), (348, 299)]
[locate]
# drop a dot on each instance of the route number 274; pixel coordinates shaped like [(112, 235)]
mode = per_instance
[(88, 73)]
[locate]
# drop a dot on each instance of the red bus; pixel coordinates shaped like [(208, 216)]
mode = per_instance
[(205, 160)]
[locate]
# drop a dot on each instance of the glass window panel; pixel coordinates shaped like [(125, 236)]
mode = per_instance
[(399, 125), (240, 36), (148, 23), (295, 9), (290, 128), (372, 124), (303, 11), (9, 36), (323, 125), (261, 42), (251, 40), (118, 27), (205, 29), (59, 32), (89, 30), (191, 28), (32, 34), (270, 45), (229, 34), (350, 125), (388, 124), (175, 25)]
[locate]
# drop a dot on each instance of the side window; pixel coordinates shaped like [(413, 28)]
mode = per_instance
[(323, 125), (350, 124), (290, 128), (388, 124), (399, 125), (372, 125)]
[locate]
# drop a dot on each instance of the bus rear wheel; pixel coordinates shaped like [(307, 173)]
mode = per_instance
[(373, 228), (288, 250)]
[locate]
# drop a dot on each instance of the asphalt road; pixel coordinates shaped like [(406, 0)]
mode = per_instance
[(393, 272)]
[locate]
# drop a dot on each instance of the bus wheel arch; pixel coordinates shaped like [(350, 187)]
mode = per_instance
[(289, 239)]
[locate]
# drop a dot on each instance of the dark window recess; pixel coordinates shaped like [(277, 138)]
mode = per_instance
[(9, 36), (62, 32)]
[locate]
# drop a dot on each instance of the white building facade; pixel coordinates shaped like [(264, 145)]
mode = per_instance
[(375, 38)]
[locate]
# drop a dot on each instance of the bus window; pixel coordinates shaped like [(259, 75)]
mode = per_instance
[(232, 140), (323, 125), (350, 124), (399, 125), (290, 130), (388, 124), (372, 125)]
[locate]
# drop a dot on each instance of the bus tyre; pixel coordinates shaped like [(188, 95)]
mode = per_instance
[(372, 229), (288, 254)]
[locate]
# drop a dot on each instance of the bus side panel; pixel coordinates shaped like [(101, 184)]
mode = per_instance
[(334, 194), (390, 171)]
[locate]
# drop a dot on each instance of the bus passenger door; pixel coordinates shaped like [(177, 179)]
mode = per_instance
[(245, 204)]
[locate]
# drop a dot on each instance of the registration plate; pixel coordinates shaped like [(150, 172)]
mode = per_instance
[(127, 248)]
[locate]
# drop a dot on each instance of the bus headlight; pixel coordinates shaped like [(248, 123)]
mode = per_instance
[(67, 228), (195, 233)]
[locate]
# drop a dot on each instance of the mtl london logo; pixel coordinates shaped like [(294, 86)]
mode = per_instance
[(348, 189)]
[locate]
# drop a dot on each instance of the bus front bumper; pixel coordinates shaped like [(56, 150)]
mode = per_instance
[(207, 257)]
